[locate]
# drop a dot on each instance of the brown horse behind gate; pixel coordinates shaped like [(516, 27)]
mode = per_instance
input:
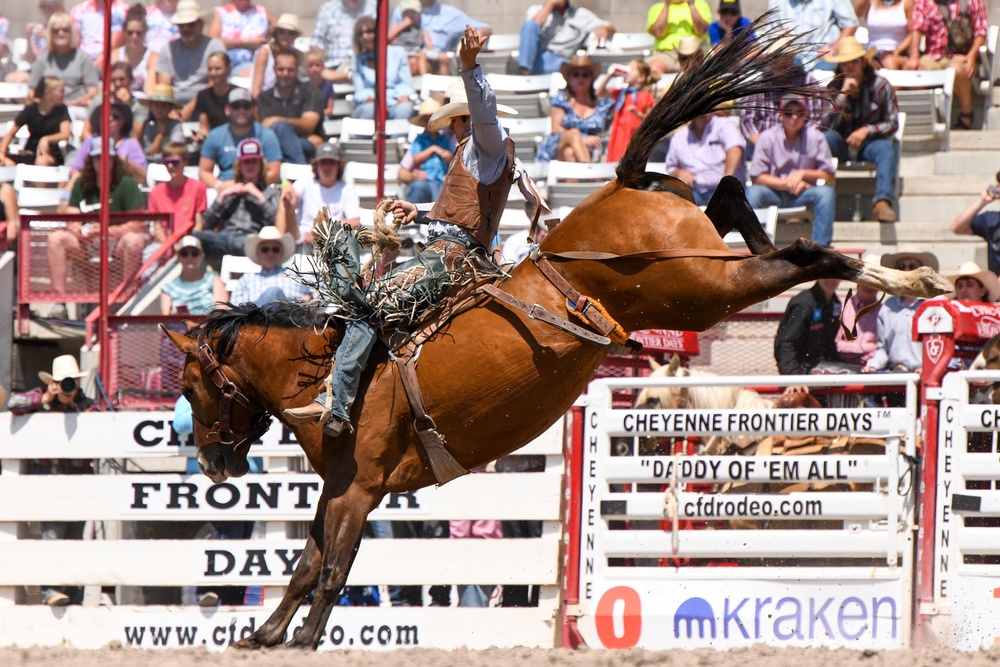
[(493, 379)]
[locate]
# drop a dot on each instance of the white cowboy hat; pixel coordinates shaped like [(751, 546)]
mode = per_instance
[(270, 233), (987, 278), (188, 11), (889, 259), (63, 367), (458, 105), (424, 112)]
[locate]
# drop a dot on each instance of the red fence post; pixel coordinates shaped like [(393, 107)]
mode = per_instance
[(572, 490)]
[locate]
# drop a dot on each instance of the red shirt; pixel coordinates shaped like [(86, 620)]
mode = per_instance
[(184, 202), (928, 20)]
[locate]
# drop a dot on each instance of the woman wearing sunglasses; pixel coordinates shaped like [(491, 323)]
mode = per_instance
[(578, 115), (142, 60), (65, 61), (196, 289), (283, 37)]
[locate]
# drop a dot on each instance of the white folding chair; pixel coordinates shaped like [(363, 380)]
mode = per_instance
[(503, 42), (34, 196), (586, 176), (527, 134), (232, 269), (156, 173), (436, 83), (926, 98), (768, 218), (293, 172)]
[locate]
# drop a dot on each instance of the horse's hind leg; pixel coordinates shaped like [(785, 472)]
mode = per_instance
[(304, 578), (729, 210)]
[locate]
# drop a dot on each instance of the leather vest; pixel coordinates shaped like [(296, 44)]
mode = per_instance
[(466, 202)]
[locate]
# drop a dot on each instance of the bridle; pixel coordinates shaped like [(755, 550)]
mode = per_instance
[(221, 432)]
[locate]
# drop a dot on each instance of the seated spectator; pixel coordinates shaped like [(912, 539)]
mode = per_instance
[(64, 61), (761, 111), (88, 18), (553, 32), (861, 347), (135, 53), (210, 102), (126, 147), (271, 249), (895, 348), (161, 129), (412, 38), (313, 66), (822, 25), (702, 152), (61, 393), (975, 284), (334, 34), (291, 110), (243, 27), (808, 329), (121, 91), (399, 91), (863, 119), (984, 224), (196, 289), (669, 22), (632, 103), (220, 145), (79, 242), (9, 213), (579, 117), (283, 36), (426, 161), (48, 123), (183, 63), (446, 25), (184, 197), (159, 25), (944, 49), (243, 206), (302, 201), (788, 164), (37, 35), (888, 24), (690, 52), (4, 37), (731, 21)]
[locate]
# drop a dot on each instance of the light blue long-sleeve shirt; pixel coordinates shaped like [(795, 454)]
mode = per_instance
[(894, 334), (399, 82)]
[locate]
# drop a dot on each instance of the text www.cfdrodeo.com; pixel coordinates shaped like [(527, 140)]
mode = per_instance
[(721, 506), (221, 635)]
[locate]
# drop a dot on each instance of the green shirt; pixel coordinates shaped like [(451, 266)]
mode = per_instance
[(125, 197), (679, 22)]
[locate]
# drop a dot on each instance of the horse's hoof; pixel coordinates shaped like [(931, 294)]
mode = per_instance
[(247, 644), (930, 283)]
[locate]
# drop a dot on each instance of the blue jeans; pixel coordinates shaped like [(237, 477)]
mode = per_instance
[(531, 56), (395, 111), (217, 244), (702, 198), (880, 151), (821, 199), (269, 295), (423, 192), (349, 364), (293, 147)]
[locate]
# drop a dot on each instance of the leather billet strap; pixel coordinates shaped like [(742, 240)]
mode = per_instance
[(221, 431), (577, 301), (537, 312), (667, 253)]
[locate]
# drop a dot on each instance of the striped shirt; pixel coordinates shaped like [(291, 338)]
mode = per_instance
[(196, 296), (252, 285), (876, 108)]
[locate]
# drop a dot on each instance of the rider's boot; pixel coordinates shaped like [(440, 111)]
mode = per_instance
[(307, 414)]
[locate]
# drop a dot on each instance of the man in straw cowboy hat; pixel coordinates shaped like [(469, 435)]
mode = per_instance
[(465, 218), (425, 163), (183, 62), (863, 120)]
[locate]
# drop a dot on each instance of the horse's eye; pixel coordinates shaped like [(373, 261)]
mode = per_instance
[(187, 392)]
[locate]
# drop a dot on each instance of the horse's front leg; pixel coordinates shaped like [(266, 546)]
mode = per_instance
[(343, 527), (304, 579)]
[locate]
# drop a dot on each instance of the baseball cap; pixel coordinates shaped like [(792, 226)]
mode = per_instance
[(95, 147), (328, 151), (730, 6), (249, 149), (188, 241), (791, 98), (239, 95)]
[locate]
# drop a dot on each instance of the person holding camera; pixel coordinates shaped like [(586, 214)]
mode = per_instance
[(61, 393), (984, 224)]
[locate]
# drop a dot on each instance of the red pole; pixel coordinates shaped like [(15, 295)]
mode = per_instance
[(381, 45), (104, 367), (572, 504)]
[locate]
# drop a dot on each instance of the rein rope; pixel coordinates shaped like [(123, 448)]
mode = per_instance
[(221, 431)]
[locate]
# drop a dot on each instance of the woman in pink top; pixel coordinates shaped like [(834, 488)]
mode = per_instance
[(243, 27), (888, 24)]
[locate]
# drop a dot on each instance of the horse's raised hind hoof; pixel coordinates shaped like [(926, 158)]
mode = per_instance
[(929, 283)]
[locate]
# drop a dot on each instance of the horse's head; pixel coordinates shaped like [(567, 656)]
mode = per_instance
[(226, 422), (664, 398)]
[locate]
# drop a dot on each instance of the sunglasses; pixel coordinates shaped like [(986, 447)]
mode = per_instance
[(62, 31), (241, 106), (908, 265), (189, 252), (135, 33), (268, 249), (796, 114), (172, 162), (368, 31), (581, 74)]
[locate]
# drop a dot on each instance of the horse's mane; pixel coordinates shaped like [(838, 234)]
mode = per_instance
[(736, 68), (225, 324)]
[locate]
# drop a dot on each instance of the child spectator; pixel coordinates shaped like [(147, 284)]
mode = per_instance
[(160, 128), (731, 21), (210, 103), (632, 103), (48, 123), (134, 52), (412, 38), (326, 189), (121, 91), (195, 290), (184, 197), (313, 65), (426, 162), (283, 37)]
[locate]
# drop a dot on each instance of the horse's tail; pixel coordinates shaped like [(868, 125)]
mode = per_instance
[(737, 67)]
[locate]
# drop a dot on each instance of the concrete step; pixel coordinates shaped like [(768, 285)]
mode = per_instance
[(934, 208), (944, 185), (966, 162), (974, 140)]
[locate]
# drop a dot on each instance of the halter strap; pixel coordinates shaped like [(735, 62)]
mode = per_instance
[(221, 431)]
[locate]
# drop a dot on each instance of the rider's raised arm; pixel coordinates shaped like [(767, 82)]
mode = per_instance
[(489, 137)]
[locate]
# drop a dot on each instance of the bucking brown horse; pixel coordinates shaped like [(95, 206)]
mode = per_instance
[(494, 378)]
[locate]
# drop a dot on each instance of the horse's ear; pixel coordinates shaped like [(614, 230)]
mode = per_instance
[(675, 365), (190, 324), (186, 345), (653, 363)]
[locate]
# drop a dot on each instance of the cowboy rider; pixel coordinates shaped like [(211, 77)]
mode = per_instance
[(465, 217)]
